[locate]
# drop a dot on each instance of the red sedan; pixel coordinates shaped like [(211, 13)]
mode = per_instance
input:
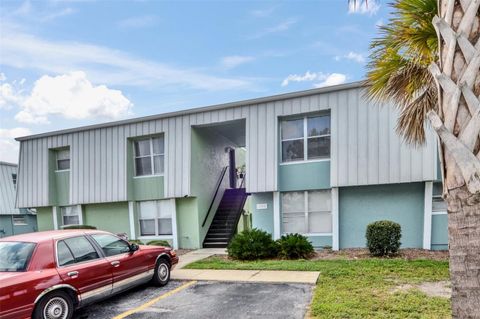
[(49, 274)]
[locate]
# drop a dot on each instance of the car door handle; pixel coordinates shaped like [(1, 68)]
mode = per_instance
[(115, 263), (72, 273)]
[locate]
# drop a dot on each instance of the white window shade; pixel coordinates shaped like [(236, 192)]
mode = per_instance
[(293, 202), (70, 215), (319, 201), (319, 222)]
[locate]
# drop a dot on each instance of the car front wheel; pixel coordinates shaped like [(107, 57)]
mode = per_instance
[(161, 275), (55, 305)]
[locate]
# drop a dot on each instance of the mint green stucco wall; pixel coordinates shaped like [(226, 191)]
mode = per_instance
[(320, 241), (44, 218), (58, 182), (402, 203), (188, 223), (262, 218), (62, 188), (148, 188), (304, 176), (440, 232), (112, 217)]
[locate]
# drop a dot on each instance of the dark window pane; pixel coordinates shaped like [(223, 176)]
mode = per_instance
[(319, 147), (292, 150), (147, 227), (292, 129), (63, 154), (63, 164), (437, 189), (158, 164), (157, 145), (164, 226), (70, 220), (143, 166), (142, 147), (15, 256), (64, 255), (111, 245), (318, 125), (81, 248)]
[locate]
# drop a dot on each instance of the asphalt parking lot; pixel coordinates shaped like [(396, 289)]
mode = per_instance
[(184, 299)]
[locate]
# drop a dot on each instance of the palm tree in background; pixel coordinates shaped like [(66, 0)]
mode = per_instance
[(427, 61)]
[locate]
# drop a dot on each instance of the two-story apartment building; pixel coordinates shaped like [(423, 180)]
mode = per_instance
[(13, 221), (322, 162)]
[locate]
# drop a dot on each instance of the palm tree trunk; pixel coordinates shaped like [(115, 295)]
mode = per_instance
[(464, 245), (457, 123)]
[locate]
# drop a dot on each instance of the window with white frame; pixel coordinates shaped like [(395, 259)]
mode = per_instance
[(306, 138), (439, 205), (19, 221), (307, 212), (155, 218), (149, 156), (14, 179), (70, 215), (63, 159)]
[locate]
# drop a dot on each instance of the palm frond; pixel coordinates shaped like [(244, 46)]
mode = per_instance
[(397, 69)]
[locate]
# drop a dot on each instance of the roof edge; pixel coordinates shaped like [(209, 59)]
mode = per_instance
[(8, 163), (214, 107)]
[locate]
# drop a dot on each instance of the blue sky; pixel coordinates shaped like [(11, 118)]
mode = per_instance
[(70, 63)]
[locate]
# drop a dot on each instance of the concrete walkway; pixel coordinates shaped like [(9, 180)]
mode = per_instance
[(270, 276)]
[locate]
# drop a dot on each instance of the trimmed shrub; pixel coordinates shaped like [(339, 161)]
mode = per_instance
[(136, 241), (252, 244), (159, 243), (79, 227), (383, 237), (294, 246)]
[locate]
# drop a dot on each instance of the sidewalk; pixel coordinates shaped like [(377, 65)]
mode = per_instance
[(266, 276)]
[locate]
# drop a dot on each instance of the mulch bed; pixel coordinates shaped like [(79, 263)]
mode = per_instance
[(362, 253)]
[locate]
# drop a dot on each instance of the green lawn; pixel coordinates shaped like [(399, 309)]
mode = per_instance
[(361, 288)]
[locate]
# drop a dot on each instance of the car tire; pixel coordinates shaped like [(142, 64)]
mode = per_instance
[(161, 275), (55, 305)]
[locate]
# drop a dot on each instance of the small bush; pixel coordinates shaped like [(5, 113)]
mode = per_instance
[(136, 241), (252, 244), (294, 246), (79, 227), (383, 237), (159, 243)]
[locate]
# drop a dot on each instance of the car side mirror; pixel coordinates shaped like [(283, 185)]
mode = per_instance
[(133, 247)]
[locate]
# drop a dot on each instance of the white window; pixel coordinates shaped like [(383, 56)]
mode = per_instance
[(63, 159), (439, 206), (149, 156), (19, 221), (70, 215), (307, 212), (307, 138), (155, 218)]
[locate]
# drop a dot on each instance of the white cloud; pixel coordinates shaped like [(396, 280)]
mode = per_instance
[(138, 22), (354, 56), (2, 77), (370, 7), (326, 79), (70, 96), (281, 27), (102, 64), (10, 94), (8, 145), (308, 76), (230, 62), (332, 79)]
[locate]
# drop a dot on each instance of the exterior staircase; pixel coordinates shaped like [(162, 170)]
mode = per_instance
[(226, 218)]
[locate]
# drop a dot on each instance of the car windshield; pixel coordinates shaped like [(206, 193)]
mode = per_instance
[(15, 256)]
